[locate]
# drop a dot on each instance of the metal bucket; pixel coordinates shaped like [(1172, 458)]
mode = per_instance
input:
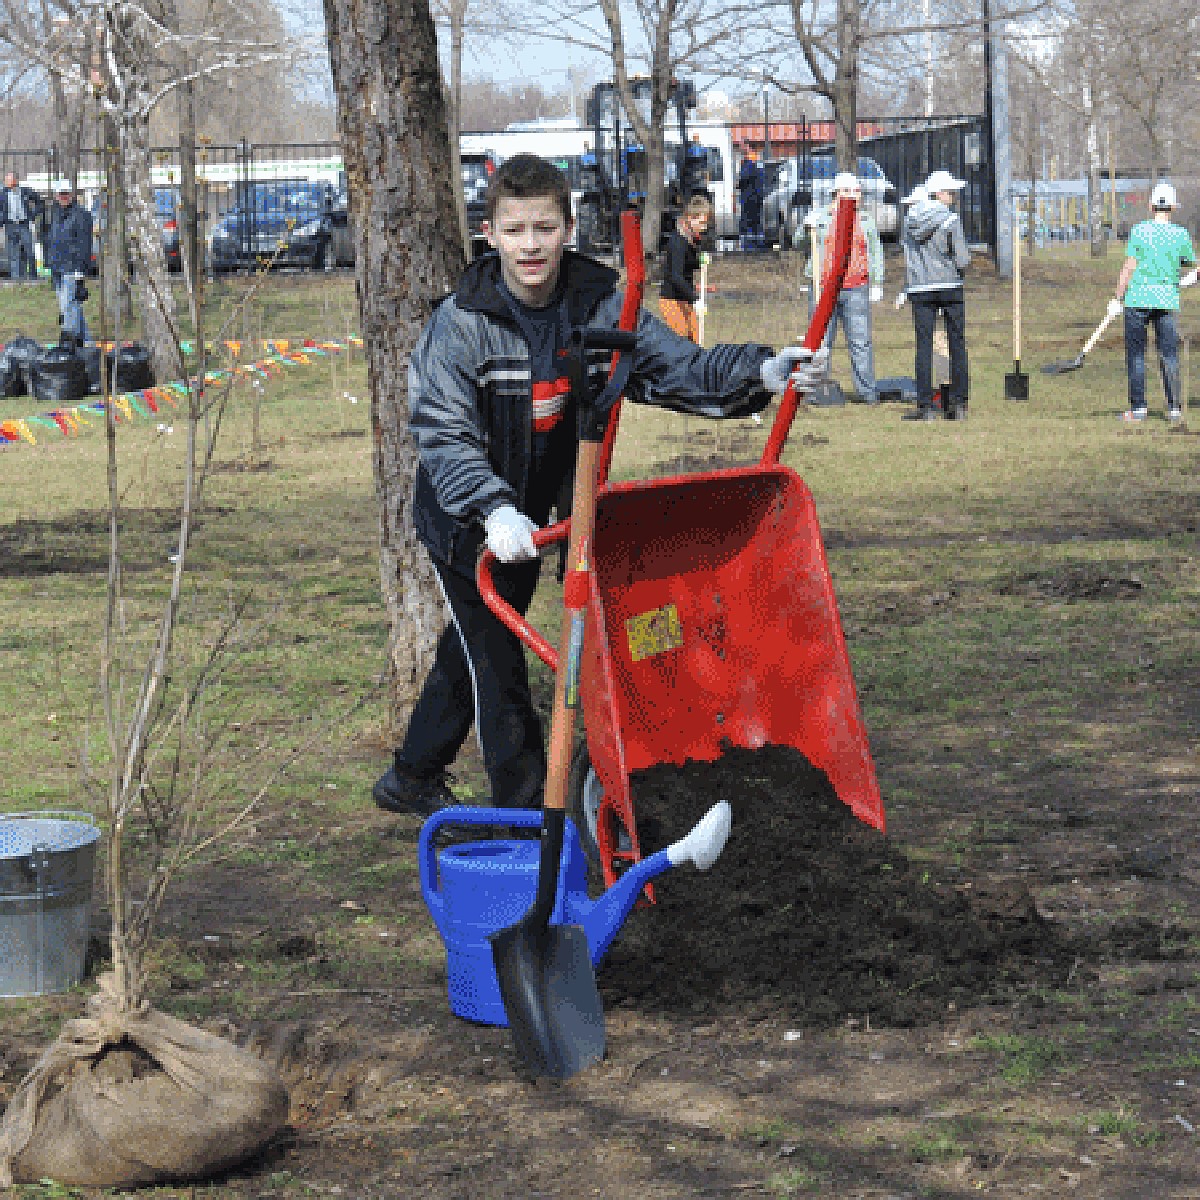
[(46, 865)]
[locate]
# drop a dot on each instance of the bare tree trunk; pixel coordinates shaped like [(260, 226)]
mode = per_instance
[(458, 16), (155, 298), (392, 121), (186, 217), (845, 85), (1097, 242)]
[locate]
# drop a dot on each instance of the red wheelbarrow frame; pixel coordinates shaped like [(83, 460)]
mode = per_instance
[(711, 621)]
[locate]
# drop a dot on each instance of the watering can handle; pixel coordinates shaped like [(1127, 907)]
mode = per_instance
[(464, 814), (844, 229)]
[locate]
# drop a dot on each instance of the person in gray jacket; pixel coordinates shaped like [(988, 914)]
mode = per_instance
[(495, 430), (935, 257)]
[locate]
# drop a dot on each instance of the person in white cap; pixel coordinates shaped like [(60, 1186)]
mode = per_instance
[(1148, 289), (862, 286), (69, 255), (935, 257)]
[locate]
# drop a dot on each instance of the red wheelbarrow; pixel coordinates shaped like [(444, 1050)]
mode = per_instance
[(710, 622)]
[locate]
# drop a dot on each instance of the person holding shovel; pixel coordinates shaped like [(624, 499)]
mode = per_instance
[(678, 295), (493, 419), (935, 257), (862, 286), (1148, 289)]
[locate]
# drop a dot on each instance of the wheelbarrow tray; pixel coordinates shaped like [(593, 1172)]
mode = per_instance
[(712, 623)]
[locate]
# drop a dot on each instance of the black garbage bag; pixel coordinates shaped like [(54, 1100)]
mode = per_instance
[(60, 376), (93, 362), (131, 368), (12, 382), (22, 353)]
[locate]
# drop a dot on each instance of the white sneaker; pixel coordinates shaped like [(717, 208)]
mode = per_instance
[(1174, 415), (1134, 415)]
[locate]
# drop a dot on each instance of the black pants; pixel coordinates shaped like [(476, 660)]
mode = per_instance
[(925, 308), (479, 676)]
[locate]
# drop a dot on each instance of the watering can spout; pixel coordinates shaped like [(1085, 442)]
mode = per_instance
[(603, 917)]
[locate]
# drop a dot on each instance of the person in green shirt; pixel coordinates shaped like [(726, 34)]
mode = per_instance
[(1149, 291)]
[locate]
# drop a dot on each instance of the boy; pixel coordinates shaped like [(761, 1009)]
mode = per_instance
[(935, 257), (862, 287), (678, 295), (495, 430), (1149, 289)]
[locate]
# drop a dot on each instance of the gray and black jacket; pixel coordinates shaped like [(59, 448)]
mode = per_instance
[(935, 249), (470, 395)]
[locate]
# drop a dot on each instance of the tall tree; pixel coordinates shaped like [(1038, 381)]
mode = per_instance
[(392, 118)]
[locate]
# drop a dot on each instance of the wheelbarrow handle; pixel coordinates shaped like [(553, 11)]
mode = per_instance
[(843, 225), (550, 535)]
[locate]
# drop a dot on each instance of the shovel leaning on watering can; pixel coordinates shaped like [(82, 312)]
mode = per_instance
[(475, 889)]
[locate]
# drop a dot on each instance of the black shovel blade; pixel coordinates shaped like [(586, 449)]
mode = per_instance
[(548, 986), (1063, 366), (1016, 386)]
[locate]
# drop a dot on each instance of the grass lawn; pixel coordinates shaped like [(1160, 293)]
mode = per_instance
[(1019, 593)]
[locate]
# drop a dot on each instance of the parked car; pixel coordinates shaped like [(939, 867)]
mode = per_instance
[(166, 211), (804, 184), (166, 208), (286, 223)]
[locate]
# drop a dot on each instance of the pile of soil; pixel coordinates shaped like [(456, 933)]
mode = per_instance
[(810, 915)]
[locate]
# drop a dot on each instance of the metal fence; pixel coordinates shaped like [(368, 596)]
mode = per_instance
[(909, 149), (283, 203)]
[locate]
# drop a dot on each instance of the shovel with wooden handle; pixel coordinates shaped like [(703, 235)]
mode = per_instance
[(1016, 382), (545, 972), (1073, 364)]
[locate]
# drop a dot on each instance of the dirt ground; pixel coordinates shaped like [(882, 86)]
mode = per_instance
[(819, 1015)]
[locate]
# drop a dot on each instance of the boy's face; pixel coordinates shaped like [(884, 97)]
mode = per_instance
[(698, 224), (529, 232)]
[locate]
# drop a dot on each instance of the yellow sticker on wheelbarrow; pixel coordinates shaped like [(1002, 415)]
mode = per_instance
[(654, 632)]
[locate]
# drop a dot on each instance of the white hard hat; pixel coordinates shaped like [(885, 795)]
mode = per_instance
[(63, 187), (917, 195), (1163, 196), (943, 181), (846, 181)]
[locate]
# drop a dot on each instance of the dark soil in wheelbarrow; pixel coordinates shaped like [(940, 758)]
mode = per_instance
[(812, 915)]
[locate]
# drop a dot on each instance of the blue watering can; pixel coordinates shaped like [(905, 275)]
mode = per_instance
[(474, 889)]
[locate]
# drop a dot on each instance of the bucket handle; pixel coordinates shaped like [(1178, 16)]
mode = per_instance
[(69, 814)]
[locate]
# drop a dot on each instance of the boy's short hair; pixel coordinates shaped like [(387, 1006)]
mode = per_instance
[(699, 205), (526, 175)]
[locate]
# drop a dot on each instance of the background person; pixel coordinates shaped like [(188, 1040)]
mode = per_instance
[(20, 207), (862, 287), (935, 257), (1148, 288), (678, 294), (69, 255), (495, 430), (750, 185)]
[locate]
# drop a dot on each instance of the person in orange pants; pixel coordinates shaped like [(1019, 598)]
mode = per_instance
[(678, 294)]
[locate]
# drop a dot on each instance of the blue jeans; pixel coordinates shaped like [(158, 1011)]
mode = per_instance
[(853, 310), (21, 261), (70, 309), (1166, 339)]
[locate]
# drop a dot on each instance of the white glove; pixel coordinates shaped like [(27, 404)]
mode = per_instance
[(807, 369), (876, 293), (1114, 307), (901, 300), (1189, 280), (510, 535), (700, 306)]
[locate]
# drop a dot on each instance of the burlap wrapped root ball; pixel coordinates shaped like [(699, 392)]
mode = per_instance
[(123, 1098)]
